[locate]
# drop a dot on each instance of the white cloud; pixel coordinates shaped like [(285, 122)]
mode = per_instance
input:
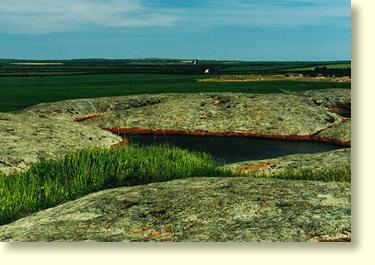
[(44, 16)]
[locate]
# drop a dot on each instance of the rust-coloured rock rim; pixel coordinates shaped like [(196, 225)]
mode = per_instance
[(290, 137)]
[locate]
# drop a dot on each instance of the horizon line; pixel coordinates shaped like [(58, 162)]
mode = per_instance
[(171, 59)]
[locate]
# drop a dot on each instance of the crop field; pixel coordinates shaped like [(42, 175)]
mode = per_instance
[(26, 83), (275, 77), (329, 66), (149, 66), (17, 93)]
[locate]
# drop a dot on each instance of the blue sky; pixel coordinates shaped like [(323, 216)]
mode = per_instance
[(204, 29)]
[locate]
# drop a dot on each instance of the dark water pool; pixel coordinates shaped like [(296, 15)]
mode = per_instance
[(233, 149)]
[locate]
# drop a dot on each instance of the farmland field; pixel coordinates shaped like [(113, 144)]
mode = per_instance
[(26, 84), (329, 66), (149, 66)]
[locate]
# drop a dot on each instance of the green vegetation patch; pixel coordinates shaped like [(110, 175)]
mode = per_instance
[(329, 66), (51, 182), (17, 93)]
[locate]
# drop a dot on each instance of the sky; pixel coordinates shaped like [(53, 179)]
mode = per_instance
[(254, 30)]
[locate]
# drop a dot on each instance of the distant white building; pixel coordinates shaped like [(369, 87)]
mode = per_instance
[(194, 62), (207, 71)]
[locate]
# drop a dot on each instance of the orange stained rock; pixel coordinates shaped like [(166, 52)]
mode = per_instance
[(122, 142), (158, 234), (87, 117), (259, 166)]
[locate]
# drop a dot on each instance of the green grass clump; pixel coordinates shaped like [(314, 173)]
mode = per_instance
[(51, 182)]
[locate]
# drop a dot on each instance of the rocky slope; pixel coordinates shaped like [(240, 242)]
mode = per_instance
[(320, 162), (26, 138), (49, 130), (223, 209), (338, 133), (296, 115)]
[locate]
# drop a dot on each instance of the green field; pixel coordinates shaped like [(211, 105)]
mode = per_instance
[(149, 66), (17, 93), (24, 83), (329, 66)]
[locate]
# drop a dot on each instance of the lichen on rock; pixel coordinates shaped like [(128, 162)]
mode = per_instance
[(271, 114), (26, 138), (49, 129), (197, 209), (339, 133), (319, 162), (223, 210)]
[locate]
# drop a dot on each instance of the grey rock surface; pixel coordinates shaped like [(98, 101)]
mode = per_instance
[(197, 209), (319, 162), (49, 130)]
